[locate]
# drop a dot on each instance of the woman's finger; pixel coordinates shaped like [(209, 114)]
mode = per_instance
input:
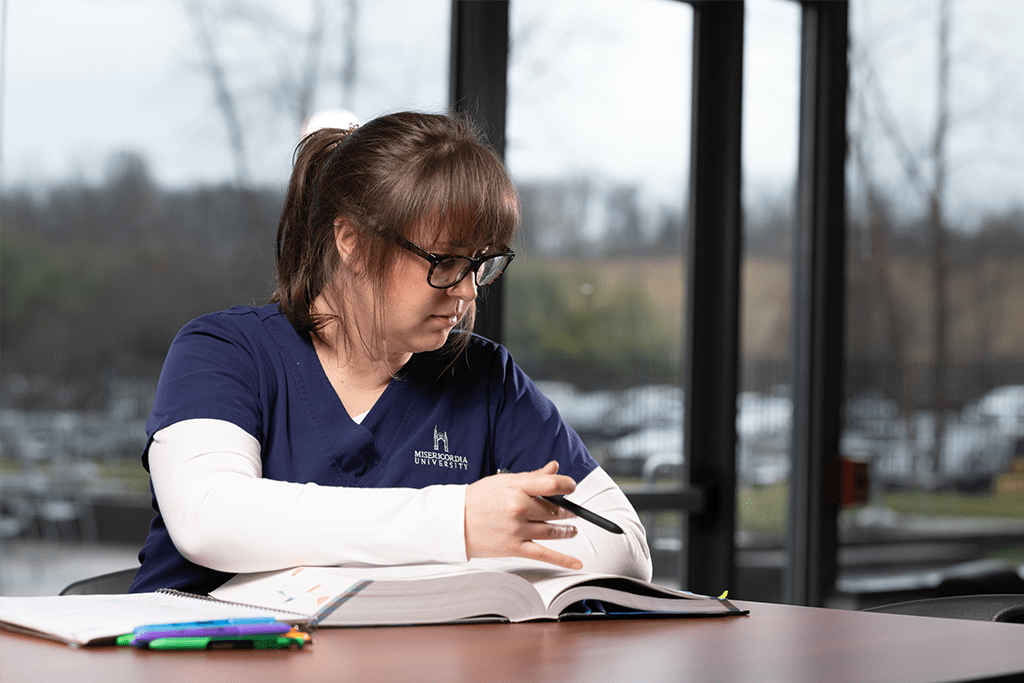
[(546, 482), (545, 531), (535, 551)]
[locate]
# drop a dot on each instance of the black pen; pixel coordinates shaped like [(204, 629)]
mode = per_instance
[(579, 510)]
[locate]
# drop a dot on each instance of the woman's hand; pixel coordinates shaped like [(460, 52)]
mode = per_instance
[(504, 516)]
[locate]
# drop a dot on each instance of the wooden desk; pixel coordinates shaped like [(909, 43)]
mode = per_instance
[(775, 643)]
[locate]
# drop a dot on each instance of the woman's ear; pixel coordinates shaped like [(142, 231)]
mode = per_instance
[(345, 242)]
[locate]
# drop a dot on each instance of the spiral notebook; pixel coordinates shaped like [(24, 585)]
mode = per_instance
[(100, 619)]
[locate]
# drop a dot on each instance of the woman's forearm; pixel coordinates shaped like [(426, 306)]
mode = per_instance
[(221, 513), (626, 554)]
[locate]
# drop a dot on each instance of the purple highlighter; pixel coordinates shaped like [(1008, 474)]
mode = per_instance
[(269, 628)]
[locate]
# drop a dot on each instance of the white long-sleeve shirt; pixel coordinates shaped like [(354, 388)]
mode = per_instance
[(222, 514)]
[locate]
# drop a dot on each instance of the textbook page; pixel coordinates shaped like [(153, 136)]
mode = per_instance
[(559, 588), (400, 594), (510, 589)]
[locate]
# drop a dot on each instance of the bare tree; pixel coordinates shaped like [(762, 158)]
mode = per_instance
[(307, 80), (284, 68), (213, 65), (881, 272), (937, 229), (926, 175), (350, 53), (295, 58)]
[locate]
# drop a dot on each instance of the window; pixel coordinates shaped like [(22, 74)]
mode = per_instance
[(141, 189), (935, 360), (598, 140), (764, 404)]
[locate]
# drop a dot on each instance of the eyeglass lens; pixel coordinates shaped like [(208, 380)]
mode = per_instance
[(450, 271)]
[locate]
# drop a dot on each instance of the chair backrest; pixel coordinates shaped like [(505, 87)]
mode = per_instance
[(1009, 607), (114, 583)]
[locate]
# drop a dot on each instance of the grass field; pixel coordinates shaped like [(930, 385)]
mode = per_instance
[(763, 508), (985, 313)]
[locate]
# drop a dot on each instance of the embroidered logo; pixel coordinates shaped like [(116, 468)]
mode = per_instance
[(440, 437), (436, 458)]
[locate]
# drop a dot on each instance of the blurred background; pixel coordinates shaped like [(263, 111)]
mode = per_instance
[(145, 151)]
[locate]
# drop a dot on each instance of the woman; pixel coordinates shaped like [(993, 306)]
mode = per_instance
[(355, 418)]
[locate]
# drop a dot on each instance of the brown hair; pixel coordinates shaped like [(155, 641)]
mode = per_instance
[(388, 177)]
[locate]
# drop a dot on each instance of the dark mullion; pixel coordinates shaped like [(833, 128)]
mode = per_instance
[(477, 86), (819, 266), (711, 353)]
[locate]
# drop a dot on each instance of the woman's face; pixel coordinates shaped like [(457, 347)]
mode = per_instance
[(419, 317)]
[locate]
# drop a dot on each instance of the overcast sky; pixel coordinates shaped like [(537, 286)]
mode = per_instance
[(597, 86)]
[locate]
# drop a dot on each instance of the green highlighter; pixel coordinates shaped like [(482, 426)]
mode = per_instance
[(249, 642)]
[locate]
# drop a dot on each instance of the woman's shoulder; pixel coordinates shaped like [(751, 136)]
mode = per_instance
[(255, 328), (482, 346), (480, 354), (460, 360), (237, 318)]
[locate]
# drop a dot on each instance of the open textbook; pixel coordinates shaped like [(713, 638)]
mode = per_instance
[(480, 590), (505, 589)]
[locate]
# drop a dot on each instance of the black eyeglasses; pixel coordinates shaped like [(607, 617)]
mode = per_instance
[(448, 270)]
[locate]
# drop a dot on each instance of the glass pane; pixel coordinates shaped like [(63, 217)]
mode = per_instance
[(935, 350), (771, 77), (598, 139), (136, 196)]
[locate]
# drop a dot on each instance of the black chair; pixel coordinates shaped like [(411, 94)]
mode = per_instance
[(114, 583), (981, 577), (996, 607)]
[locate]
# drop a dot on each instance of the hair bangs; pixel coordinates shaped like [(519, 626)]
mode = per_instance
[(466, 197)]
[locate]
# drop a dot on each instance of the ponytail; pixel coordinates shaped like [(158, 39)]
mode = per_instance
[(305, 235)]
